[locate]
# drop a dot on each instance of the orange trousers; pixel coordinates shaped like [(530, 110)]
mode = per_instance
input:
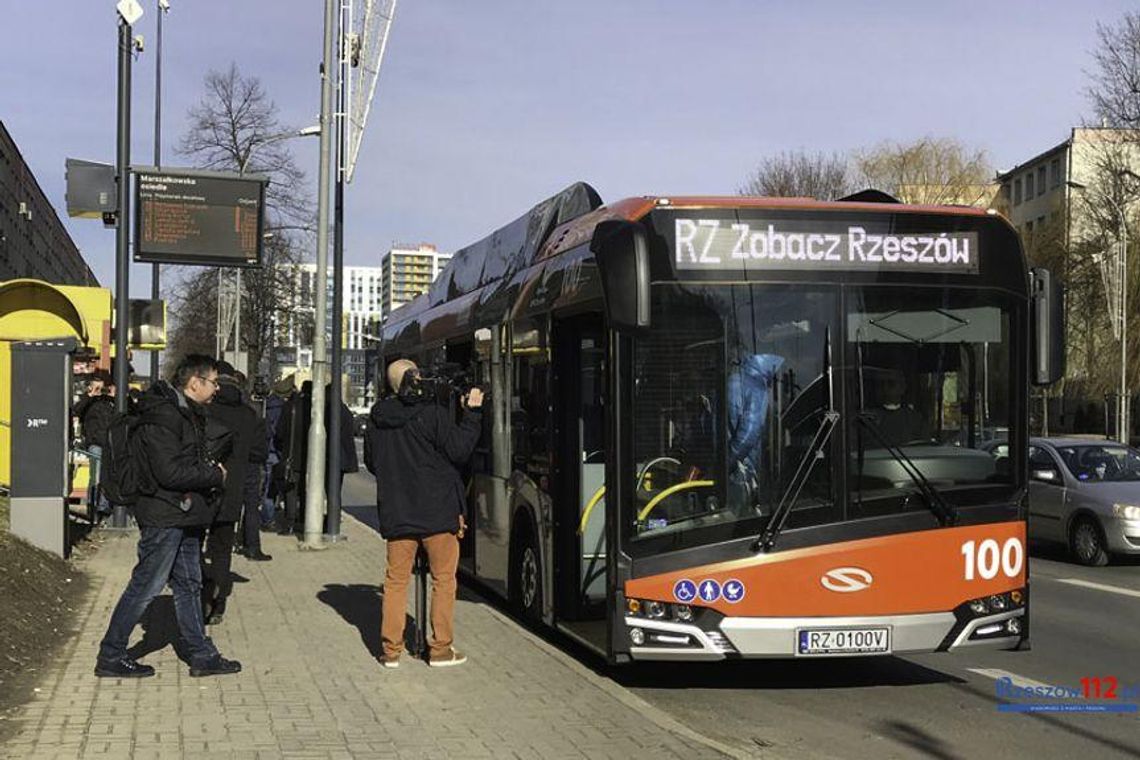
[(443, 558)]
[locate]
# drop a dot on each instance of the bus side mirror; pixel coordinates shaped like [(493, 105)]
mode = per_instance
[(1048, 326), (622, 253)]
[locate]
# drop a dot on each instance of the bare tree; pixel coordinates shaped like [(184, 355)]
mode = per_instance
[(1114, 86), (231, 128), (1105, 215), (800, 174), (928, 171)]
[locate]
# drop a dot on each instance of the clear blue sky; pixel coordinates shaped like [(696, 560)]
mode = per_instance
[(485, 108)]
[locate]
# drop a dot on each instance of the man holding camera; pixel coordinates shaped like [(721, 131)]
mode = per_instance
[(415, 452)]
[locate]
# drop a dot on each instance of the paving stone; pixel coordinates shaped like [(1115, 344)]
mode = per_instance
[(311, 687)]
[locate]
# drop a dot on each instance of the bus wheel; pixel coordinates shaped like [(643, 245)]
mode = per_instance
[(1086, 542), (526, 574)]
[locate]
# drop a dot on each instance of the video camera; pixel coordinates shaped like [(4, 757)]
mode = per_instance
[(441, 384)]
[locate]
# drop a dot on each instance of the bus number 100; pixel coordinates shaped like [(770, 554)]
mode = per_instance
[(988, 558)]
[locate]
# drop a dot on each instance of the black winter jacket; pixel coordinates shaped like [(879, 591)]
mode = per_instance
[(170, 440), (95, 414), (230, 409), (415, 451), (292, 435)]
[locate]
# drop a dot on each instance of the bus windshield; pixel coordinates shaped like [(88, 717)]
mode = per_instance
[(733, 383)]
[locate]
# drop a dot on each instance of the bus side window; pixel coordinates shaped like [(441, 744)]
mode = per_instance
[(530, 405)]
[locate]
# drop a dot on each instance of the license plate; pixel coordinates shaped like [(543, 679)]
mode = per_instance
[(832, 641)]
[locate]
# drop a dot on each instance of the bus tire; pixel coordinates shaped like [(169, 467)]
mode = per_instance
[(526, 572), (1086, 542)]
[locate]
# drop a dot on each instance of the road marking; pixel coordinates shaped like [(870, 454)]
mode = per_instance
[(1100, 587), (998, 674)]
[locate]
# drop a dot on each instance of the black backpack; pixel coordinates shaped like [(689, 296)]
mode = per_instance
[(123, 476)]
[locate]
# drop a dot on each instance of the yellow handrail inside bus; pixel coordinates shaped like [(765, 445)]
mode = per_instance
[(669, 492), (593, 502)]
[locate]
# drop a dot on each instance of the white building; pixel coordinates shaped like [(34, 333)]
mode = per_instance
[(360, 307), (1065, 203), (1045, 190), (370, 295)]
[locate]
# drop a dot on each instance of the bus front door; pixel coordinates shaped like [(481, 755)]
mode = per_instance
[(580, 503)]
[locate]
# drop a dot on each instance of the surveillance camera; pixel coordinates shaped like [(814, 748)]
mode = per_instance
[(139, 42)]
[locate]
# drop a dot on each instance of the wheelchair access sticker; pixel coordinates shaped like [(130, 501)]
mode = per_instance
[(684, 590)]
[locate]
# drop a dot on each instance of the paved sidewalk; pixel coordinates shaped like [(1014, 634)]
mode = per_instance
[(306, 628)]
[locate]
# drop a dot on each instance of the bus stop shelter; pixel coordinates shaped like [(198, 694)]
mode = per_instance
[(33, 310)]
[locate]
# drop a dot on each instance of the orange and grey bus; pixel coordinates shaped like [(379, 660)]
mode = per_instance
[(748, 427)]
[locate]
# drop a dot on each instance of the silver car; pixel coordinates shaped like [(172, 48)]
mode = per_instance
[(1085, 494)]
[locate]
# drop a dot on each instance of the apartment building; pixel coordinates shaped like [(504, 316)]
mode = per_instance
[(408, 271), (1046, 189), (33, 240)]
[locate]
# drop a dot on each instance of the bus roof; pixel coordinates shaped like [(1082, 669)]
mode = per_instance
[(568, 219)]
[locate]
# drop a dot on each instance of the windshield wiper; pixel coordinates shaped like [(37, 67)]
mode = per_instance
[(946, 514), (792, 493)]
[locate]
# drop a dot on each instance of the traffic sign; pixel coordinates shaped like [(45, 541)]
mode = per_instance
[(130, 10)]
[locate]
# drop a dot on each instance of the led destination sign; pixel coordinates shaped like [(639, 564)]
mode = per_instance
[(195, 217), (760, 245)]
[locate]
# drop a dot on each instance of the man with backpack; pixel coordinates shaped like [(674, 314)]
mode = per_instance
[(160, 463)]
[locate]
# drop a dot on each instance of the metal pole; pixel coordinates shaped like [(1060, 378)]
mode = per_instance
[(122, 237), (218, 331), (237, 323), (315, 465), (333, 475), (1123, 327), (155, 276)]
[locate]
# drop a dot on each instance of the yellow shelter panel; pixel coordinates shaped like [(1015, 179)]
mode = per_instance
[(36, 310), (5, 413)]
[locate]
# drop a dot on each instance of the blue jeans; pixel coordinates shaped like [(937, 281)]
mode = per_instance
[(96, 501), (171, 555), (268, 505)]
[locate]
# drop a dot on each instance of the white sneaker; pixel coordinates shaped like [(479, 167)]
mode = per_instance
[(390, 662), (454, 658)]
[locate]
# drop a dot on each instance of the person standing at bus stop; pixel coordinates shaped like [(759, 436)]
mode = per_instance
[(417, 451), (173, 509), (95, 413)]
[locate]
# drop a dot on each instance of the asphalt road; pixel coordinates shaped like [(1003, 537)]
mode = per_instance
[(938, 706)]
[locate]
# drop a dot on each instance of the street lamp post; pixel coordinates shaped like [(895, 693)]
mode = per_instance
[(163, 8)]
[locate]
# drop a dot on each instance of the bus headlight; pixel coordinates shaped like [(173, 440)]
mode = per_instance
[(1126, 511), (637, 636), (655, 609), (997, 602), (683, 612), (979, 607)]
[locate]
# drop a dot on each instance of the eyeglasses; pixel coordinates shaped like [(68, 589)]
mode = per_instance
[(210, 380)]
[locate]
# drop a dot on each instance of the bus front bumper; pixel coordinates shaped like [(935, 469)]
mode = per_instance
[(778, 637)]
